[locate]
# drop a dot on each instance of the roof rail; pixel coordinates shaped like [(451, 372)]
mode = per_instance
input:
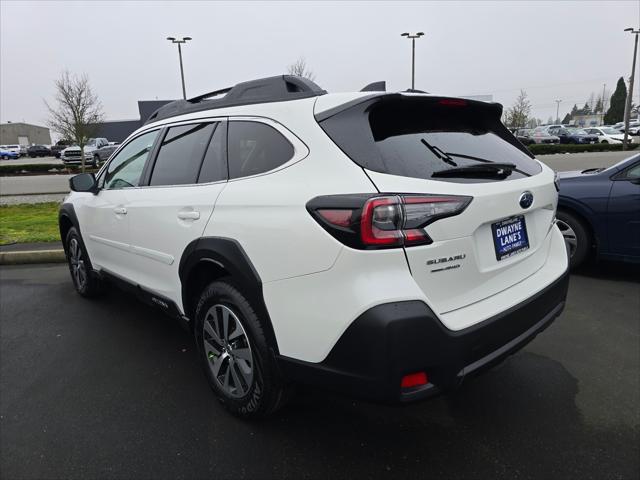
[(264, 90)]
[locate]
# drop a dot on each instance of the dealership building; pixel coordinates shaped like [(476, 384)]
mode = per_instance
[(118, 130), (24, 134)]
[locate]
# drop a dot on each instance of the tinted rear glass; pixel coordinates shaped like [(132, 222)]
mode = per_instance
[(255, 148), (214, 165), (181, 154), (415, 137)]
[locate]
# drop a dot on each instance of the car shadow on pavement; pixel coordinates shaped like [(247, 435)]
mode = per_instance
[(520, 419), (122, 395), (617, 271)]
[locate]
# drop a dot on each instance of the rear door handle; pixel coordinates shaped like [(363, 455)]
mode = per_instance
[(120, 211), (189, 215)]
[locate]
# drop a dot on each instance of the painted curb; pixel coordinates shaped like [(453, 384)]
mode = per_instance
[(32, 256)]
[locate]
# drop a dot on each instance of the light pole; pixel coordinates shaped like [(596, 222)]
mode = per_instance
[(180, 41), (604, 88), (627, 105), (558, 110), (413, 55)]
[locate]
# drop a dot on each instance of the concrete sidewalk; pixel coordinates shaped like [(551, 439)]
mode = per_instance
[(21, 253), (34, 184)]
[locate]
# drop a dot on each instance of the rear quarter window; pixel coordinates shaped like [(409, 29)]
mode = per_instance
[(255, 148)]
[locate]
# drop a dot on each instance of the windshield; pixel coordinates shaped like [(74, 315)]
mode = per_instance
[(91, 142), (578, 131), (610, 131), (416, 137), (623, 163)]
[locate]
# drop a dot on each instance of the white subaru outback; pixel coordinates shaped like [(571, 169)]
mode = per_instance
[(385, 245)]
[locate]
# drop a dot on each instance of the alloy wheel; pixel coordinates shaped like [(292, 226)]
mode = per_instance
[(228, 351), (78, 267), (569, 236)]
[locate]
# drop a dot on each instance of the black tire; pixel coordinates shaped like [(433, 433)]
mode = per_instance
[(604, 141), (84, 279), (577, 236), (266, 392)]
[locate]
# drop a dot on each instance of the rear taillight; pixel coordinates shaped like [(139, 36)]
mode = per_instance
[(385, 221), (381, 222)]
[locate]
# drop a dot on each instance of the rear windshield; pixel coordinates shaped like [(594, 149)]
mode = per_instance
[(415, 137)]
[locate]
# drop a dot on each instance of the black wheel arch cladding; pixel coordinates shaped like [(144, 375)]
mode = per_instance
[(229, 255)]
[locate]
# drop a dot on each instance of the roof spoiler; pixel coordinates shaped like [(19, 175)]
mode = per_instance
[(380, 86)]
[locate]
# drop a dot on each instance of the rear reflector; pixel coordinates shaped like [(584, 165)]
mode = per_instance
[(414, 380), (341, 218)]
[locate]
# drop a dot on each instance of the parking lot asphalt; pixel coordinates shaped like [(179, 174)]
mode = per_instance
[(111, 388)]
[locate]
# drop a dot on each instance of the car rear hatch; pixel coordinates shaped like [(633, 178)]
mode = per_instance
[(438, 146)]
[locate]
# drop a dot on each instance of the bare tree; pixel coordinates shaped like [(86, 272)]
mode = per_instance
[(77, 111), (517, 115), (299, 68)]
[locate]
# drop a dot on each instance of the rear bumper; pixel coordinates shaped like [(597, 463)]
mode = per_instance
[(395, 339)]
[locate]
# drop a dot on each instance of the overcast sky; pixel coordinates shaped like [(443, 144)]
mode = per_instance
[(555, 50)]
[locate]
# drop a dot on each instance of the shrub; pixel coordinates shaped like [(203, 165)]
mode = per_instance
[(42, 168), (543, 148)]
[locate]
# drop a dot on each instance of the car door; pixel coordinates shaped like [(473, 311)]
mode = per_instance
[(104, 216), (563, 134), (172, 209), (623, 210)]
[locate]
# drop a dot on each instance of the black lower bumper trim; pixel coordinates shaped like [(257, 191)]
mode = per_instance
[(395, 339)]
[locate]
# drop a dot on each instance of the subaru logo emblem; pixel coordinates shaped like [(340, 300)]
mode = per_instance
[(526, 199)]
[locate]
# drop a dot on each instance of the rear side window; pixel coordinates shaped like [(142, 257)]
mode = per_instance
[(255, 148), (181, 153), (214, 166), (416, 137)]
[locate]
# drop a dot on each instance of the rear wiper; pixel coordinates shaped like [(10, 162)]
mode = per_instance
[(486, 169), (439, 153), (483, 160)]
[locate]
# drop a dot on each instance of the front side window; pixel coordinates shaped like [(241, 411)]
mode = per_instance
[(181, 153), (256, 148), (126, 167)]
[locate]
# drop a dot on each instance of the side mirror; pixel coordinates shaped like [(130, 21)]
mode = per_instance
[(84, 182)]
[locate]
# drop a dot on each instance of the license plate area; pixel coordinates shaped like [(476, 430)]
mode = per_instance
[(510, 237)]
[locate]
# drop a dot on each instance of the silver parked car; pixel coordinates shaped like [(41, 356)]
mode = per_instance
[(541, 135)]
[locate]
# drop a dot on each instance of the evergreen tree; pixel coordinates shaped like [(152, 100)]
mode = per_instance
[(574, 110), (566, 119), (598, 108), (592, 102), (615, 113)]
